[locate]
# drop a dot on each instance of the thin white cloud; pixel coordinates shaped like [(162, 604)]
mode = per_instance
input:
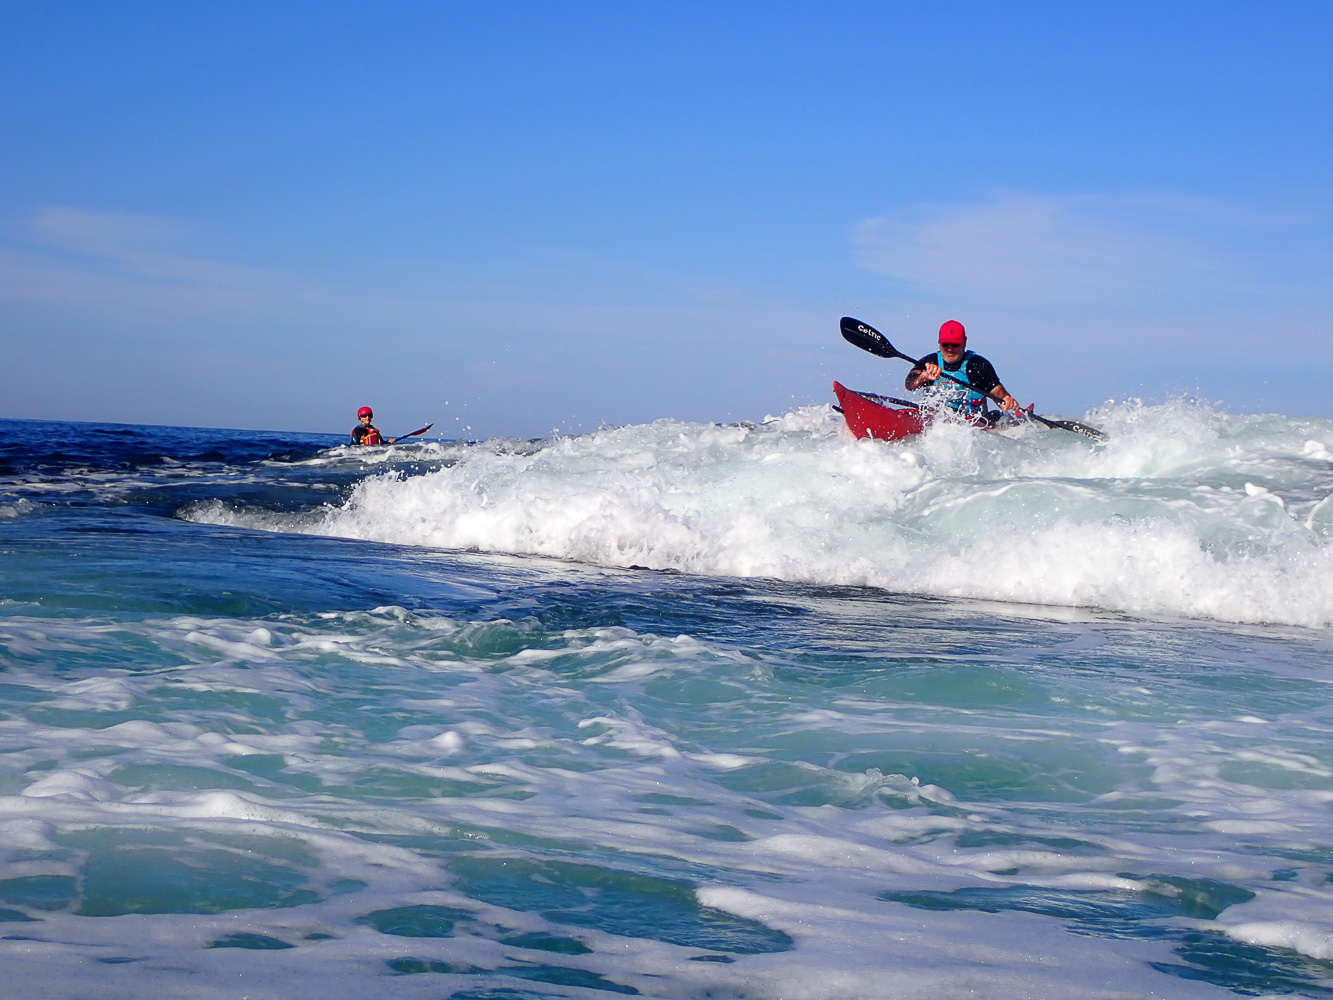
[(142, 246), (144, 269), (1029, 250), (102, 233)]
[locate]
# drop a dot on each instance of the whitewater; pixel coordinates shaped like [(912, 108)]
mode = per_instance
[(676, 710), (1185, 511)]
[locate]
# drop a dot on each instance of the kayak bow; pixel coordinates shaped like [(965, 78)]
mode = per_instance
[(868, 419)]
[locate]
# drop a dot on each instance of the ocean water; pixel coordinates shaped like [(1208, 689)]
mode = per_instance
[(674, 710)]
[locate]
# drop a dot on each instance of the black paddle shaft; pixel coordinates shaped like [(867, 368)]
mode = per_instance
[(866, 337)]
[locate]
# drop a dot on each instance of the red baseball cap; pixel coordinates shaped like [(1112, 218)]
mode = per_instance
[(952, 332)]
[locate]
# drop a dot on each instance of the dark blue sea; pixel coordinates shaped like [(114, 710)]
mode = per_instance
[(674, 710)]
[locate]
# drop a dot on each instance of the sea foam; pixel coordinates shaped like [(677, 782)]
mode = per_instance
[(1186, 510)]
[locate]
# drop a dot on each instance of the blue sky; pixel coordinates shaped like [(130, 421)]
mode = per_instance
[(510, 218)]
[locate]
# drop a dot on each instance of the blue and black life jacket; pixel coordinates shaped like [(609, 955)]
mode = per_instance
[(966, 401)]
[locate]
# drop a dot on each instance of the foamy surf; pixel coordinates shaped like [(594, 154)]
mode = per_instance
[(1185, 511), (275, 762)]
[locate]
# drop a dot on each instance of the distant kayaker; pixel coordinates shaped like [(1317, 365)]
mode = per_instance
[(365, 432), (953, 358)]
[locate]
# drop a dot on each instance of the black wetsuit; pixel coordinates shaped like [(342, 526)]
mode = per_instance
[(980, 372)]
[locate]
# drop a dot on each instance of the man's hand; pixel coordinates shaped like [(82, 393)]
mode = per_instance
[(923, 376), (1009, 403)]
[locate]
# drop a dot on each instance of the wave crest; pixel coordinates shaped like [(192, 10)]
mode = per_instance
[(1185, 510)]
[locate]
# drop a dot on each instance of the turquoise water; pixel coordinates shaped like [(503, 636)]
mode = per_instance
[(279, 719)]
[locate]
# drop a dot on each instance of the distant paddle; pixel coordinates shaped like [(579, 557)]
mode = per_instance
[(409, 434), (412, 434), (866, 337)]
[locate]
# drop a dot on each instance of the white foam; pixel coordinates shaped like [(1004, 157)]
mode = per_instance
[(1183, 511), (11, 509), (632, 735), (816, 872), (74, 784), (98, 694), (1297, 918), (1315, 941), (449, 742)]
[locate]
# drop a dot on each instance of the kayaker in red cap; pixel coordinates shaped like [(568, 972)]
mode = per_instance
[(955, 359), (365, 432)]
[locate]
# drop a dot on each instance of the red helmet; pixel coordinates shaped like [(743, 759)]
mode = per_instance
[(365, 411), (952, 332)]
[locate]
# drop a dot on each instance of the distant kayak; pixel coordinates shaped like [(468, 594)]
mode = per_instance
[(869, 419)]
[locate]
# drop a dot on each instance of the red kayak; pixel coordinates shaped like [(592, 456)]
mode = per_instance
[(866, 418)]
